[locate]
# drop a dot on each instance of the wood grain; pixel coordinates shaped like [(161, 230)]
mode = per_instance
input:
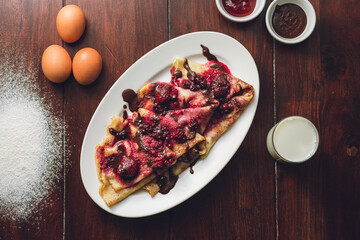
[(121, 31), (319, 199), (240, 202), (26, 29), (253, 197)]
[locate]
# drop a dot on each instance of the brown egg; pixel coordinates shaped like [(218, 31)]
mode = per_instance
[(56, 64), (70, 23), (87, 66)]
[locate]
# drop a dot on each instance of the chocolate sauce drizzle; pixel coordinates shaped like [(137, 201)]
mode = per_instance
[(125, 114), (120, 135), (207, 54), (211, 57), (166, 184), (191, 74), (192, 164), (177, 74), (131, 98)]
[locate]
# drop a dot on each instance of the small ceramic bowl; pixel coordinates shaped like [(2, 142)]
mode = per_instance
[(257, 10), (310, 24)]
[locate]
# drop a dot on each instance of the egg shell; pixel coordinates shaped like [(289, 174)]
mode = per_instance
[(87, 64), (70, 23), (56, 64)]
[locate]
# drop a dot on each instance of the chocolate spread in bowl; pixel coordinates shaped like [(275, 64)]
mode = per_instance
[(289, 20)]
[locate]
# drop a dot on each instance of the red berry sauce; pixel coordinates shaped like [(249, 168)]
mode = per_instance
[(239, 8)]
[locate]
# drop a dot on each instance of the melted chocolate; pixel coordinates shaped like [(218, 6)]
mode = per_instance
[(191, 74), (195, 82), (131, 98), (166, 184), (192, 164), (120, 135), (177, 74), (139, 141), (207, 54), (289, 20), (121, 149), (189, 134), (218, 67), (125, 114), (114, 160)]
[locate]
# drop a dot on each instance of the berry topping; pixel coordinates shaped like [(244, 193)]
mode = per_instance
[(186, 84), (220, 87), (128, 168), (203, 84), (165, 93), (225, 108), (178, 134), (144, 128), (175, 104), (193, 124), (193, 87)]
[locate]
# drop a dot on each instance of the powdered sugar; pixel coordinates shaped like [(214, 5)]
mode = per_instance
[(30, 141)]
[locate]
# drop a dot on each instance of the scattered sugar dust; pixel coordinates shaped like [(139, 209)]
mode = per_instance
[(31, 142)]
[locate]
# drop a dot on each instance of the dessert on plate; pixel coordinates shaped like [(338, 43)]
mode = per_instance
[(172, 126)]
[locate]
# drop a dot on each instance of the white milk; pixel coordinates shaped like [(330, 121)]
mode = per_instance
[(294, 139)]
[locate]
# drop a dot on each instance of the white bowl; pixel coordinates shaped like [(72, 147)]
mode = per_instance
[(310, 24), (257, 10)]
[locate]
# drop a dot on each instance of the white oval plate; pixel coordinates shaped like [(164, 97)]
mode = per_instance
[(155, 66)]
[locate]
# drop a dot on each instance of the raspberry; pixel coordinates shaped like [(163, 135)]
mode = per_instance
[(165, 93), (129, 168), (220, 87), (175, 104)]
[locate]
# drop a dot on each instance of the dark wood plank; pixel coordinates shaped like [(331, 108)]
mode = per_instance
[(122, 31), (240, 202), (319, 199), (26, 29)]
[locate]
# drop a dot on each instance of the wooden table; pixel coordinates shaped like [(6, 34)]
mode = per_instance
[(254, 197)]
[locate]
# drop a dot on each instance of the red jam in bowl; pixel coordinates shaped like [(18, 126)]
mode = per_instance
[(239, 8)]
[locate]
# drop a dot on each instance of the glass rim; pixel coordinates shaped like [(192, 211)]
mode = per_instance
[(288, 160)]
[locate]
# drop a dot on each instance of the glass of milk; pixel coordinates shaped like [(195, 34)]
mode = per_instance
[(293, 139)]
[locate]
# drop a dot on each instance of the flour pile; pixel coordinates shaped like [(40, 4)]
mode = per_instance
[(30, 143)]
